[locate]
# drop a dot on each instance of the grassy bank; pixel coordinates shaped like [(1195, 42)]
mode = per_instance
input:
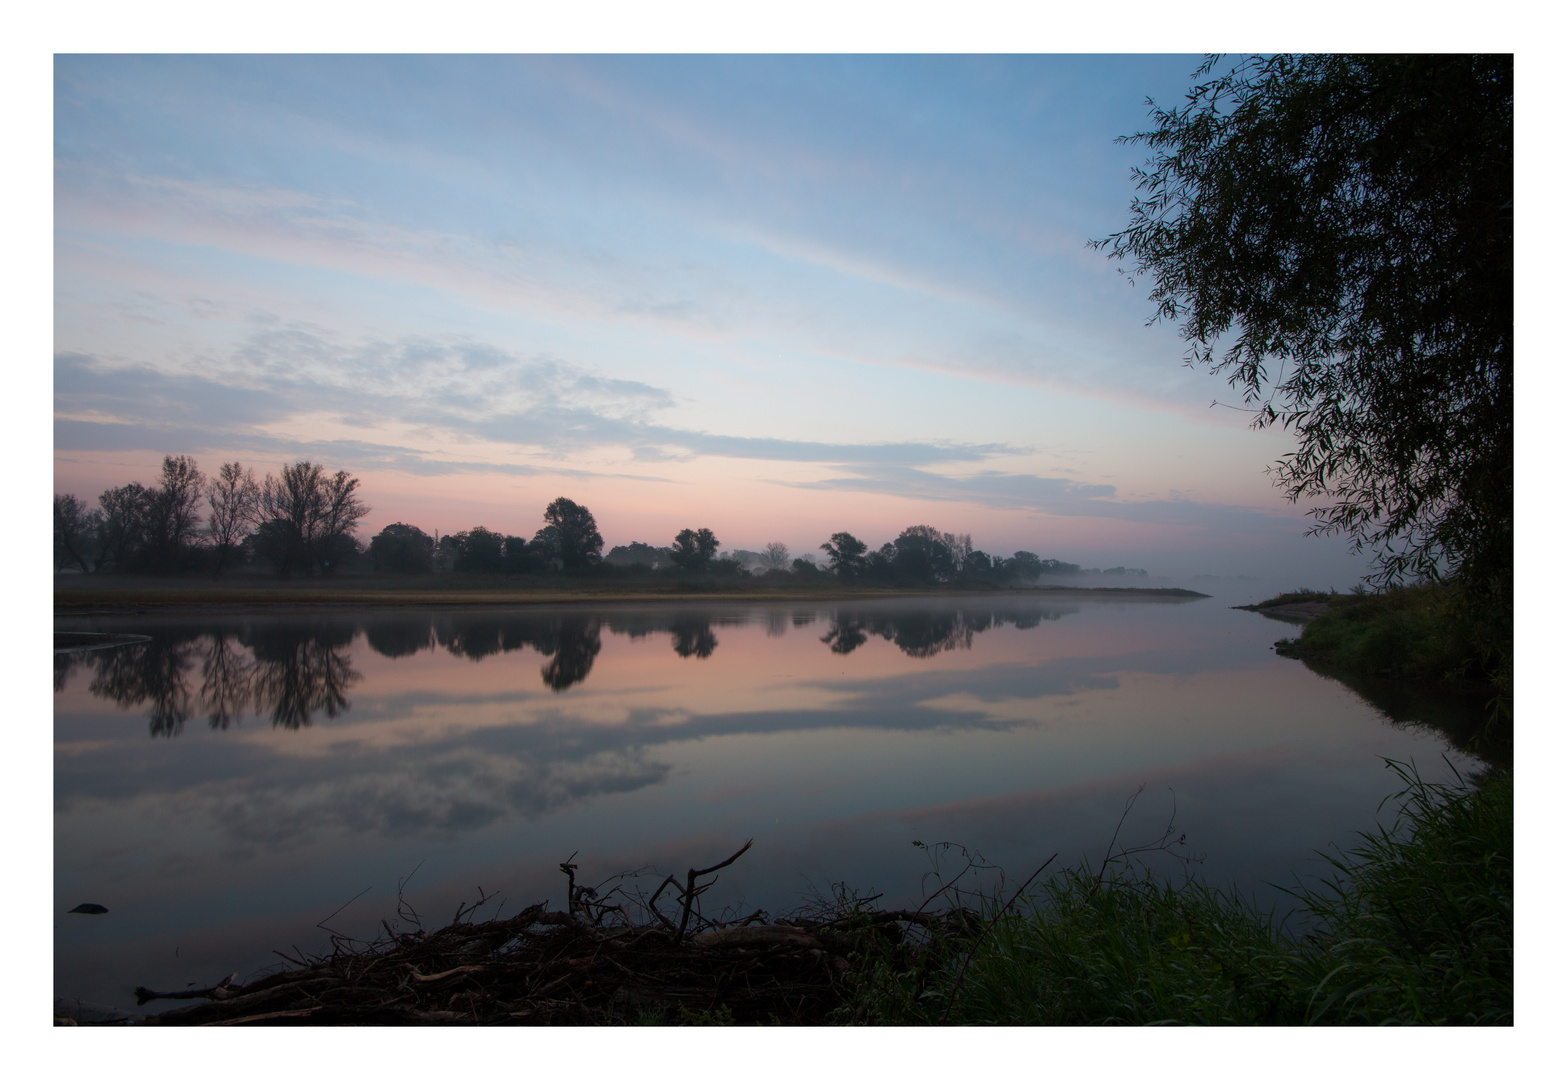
[(1415, 927), (1424, 632)]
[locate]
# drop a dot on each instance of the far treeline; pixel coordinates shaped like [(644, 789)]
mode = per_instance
[(304, 522)]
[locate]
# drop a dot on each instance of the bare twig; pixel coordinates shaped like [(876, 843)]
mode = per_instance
[(969, 956), (322, 924), (569, 868), (691, 889)]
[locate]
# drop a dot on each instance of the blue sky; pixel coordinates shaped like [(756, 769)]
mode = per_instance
[(776, 296)]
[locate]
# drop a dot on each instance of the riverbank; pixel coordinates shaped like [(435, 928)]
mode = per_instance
[(124, 596), (1416, 651), (1415, 927), (1422, 633)]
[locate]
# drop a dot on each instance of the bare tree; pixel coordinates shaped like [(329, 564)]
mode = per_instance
[(308, 518), (74, 530), (122, 528), (173, 516), (340, 514), (291, 507), (775, 556), (235, 500)]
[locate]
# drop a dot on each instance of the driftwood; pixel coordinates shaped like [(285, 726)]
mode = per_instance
[(592, 964)]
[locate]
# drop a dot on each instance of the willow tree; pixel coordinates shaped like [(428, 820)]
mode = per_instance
[(1335, 233)]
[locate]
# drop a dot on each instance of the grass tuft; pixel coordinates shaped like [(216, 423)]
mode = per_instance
[(1415, 926)]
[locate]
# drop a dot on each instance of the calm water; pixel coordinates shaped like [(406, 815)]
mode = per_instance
[(232, 783)]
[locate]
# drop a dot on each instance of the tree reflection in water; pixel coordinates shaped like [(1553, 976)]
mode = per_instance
[(570, 641), (148, 673), (228, 680), (924, 633), (693, 636), (292, 672), (298, 671), (396, 637), (571, 648)]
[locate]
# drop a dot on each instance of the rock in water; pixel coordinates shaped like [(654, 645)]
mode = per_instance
[(88, 909)]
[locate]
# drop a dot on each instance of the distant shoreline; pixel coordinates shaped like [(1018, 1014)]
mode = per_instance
[(137, 597)]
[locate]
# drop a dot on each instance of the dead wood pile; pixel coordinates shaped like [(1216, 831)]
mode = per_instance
[(596, 963)]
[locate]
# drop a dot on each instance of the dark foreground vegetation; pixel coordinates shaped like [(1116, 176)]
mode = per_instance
[(1432, 634), (1414, 925)]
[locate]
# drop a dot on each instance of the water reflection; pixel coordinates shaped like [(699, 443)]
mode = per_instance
[(299, 674), (152, 673), (296, 672), (926, 632), (291, 672), (693, 637)]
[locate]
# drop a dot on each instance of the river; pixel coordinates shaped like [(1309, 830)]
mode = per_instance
[(235, 785)]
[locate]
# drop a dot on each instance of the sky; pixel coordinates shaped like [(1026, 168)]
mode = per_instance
[(775, 296)]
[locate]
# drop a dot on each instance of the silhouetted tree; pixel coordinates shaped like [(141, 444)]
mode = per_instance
[(75, 530), (173, 513), (308, 518), (577, 542), (479, 551), (291, 506), (694, 549), (637, 553), (845, 555), (234, 499), (122, 531), (1336, 233), (341, 512), (922, 554), (400, 548), (977, 565)]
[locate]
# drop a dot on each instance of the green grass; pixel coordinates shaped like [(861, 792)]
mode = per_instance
[(1414, 927), (1299, 596), (1422, 632)]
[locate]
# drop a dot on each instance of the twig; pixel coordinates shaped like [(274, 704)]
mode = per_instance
[(569, 868), (691, 890), (969, 956), (652, 903), (1116, 835), (322, 924)]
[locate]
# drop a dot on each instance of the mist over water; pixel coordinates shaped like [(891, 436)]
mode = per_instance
[(228, 784)]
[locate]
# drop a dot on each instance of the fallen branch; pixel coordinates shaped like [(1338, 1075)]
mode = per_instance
[(218, 992)]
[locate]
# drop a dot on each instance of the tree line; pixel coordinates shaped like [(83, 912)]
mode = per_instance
[(304, 520), (570, 542), (301, 521)]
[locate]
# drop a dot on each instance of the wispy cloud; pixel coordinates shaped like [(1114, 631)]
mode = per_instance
[(465, 389), (1052, 495)]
